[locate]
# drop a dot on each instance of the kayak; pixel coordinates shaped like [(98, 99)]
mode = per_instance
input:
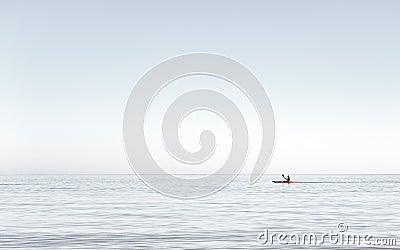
[(286, 182)]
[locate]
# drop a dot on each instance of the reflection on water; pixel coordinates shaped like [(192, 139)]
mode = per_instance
[(95, 212)]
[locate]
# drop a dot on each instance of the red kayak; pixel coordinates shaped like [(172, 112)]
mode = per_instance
[(286, 182)]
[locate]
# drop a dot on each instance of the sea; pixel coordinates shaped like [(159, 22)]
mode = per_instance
[(121, 212)]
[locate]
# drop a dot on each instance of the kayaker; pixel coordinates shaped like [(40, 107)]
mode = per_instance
[(287, 179)]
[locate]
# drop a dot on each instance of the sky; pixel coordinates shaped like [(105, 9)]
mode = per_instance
[(330, 68)]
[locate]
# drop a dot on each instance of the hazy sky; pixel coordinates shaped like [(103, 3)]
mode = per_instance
[(330, 68)]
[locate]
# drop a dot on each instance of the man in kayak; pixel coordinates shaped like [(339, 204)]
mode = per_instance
[(287, 179)]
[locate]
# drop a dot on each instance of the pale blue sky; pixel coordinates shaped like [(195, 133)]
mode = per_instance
[(330, 68)]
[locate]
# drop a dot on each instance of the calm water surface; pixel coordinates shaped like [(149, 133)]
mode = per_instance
[(119, 211)]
